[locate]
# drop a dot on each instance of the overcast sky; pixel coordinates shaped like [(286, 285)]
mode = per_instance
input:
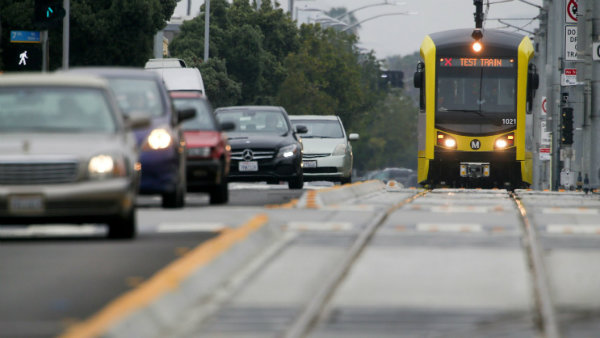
[(402, 34)]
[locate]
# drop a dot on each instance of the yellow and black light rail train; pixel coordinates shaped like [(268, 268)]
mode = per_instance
[(475, 95)]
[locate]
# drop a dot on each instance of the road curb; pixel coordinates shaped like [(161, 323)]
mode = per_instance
[(157, 304), (316, 199)]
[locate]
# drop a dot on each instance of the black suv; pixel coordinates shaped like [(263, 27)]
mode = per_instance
[(264, 145)]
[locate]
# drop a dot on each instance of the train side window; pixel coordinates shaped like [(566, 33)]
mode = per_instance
[(419, 82), (533, 81)]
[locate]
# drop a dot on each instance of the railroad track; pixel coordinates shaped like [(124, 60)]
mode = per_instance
[(437, 263)]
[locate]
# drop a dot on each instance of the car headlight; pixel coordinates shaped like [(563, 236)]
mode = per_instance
[(104, 166), (288, 151), (159, 139), (339, 150)]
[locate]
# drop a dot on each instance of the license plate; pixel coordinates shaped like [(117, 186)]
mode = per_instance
[(26, 204), (309, 164), (248, 166)]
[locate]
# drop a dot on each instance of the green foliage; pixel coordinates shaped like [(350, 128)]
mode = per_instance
[(388, 134), (220, 89), (110, 32), (253, 44), (327, 76)]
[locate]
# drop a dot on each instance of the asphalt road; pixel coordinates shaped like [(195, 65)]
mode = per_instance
[(53, 276)]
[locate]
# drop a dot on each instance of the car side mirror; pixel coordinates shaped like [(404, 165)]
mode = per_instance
[(353, 137), (227, 126), (137, 121), (300, 129), (185, 114)]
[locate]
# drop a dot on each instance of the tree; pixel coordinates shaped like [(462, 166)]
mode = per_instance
[(328, 76), (111, 32), (252, 43), (388, 134), (116, 32)]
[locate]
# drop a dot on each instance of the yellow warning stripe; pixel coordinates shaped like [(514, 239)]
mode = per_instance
[(165, 280)]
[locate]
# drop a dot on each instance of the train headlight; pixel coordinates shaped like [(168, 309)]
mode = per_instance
[(446, 141), (477, 46), (504, 142)]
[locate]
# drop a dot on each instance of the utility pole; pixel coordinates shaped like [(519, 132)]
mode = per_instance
[(541, 135), (554, 69), (589, 47)]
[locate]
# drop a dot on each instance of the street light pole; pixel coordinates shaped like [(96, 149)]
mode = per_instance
[(378, 16), (386, 2), (206, 28)]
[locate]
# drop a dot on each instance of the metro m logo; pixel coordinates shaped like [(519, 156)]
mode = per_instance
[(475, 144)]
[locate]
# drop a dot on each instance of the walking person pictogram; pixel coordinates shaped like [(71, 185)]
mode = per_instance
[(23, 57)]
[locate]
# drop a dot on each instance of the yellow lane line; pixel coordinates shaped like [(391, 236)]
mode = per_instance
[(165, 280)]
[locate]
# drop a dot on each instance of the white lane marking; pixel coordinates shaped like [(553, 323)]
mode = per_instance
[(449, 227), (264, 186), (52, 230), (586, 229), (570, 211), (461, 209), (190, 227), (320, 226), (349, 207)]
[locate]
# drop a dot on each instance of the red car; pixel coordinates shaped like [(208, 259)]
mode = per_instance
[(208, 153)]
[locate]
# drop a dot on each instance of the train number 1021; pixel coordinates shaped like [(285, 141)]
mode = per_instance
[(509, 121)]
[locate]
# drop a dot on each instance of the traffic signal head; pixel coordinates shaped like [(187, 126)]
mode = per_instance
[(566, 126), (394, 77), (48, 13)]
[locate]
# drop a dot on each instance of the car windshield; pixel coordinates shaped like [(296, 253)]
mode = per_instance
[(204, 119), (50, 109), (321, 128), (137, 96), (255, 121)]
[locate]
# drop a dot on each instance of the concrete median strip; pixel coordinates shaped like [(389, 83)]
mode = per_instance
[(317, 199), (156, 304)]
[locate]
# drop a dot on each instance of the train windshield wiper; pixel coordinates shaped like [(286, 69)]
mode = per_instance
[(475, 111)]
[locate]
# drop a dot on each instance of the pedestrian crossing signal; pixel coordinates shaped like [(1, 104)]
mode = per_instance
[(48, 13)]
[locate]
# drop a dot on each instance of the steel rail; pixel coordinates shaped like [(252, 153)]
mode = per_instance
[(309, 315), (546, 314)]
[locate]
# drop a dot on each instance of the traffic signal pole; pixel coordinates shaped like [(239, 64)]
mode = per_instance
[(66, 34)]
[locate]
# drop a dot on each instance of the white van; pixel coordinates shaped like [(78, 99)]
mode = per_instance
[(181, 79), (176, 75), (165, 63)]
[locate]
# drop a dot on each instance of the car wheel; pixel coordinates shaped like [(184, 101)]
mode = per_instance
[(296, 183), (219, 194), (175, 199), (122, 227), (346, 180)]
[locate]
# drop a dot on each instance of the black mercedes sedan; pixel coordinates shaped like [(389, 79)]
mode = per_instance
[(264, 145)]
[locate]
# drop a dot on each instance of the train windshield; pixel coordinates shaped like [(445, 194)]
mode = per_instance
[(476, 99)]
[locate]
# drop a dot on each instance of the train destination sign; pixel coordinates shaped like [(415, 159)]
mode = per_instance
[(476, 62)]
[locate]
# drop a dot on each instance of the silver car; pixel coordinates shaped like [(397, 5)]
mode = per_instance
[(327, 154), (67, 155)]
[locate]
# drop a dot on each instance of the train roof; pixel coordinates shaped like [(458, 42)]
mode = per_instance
[(493, 39)]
